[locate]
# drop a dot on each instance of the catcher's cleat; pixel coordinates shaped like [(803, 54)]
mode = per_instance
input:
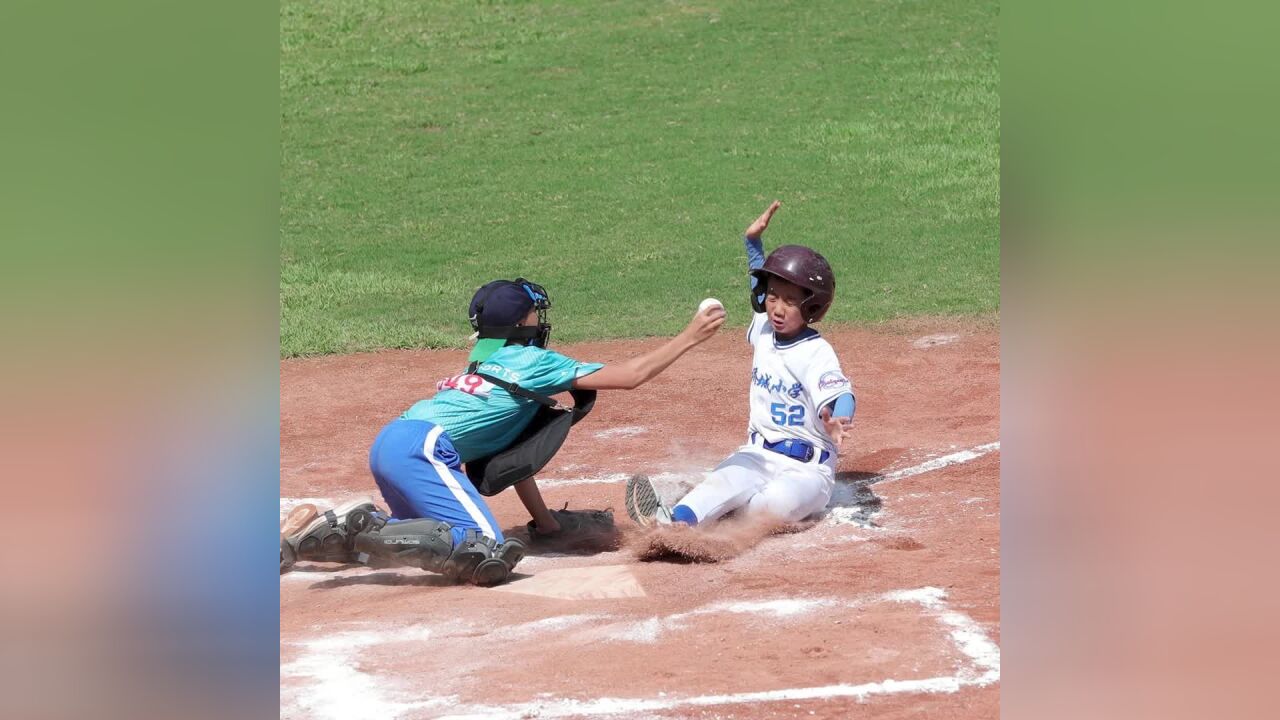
[(328, 536), (643, 504), (298, 518)]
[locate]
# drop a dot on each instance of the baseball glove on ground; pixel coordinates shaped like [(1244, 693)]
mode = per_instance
[(579, 529)]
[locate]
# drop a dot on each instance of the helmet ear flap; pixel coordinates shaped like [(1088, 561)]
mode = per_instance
[(817, 309), (759, 288)]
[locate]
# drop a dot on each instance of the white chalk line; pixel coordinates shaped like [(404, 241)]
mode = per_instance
[(968, 637), (938, 463), (340, 689), (624, 431), (650, 629), (855, 514)]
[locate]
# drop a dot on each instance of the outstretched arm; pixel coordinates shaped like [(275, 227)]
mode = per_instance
[(631, 374), (755, 246)]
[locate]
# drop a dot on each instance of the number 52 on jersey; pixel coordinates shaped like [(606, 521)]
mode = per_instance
[(784, 414)]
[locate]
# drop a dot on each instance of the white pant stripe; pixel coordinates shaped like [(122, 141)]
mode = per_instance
[(451, 482)]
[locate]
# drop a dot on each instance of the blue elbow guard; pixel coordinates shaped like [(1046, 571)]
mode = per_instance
[(845, 406)]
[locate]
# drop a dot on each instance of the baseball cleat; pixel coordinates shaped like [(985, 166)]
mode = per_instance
[(643, 504), (325, 537), (298, 518)]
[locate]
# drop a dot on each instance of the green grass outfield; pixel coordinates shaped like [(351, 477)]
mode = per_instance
[(615, 151)]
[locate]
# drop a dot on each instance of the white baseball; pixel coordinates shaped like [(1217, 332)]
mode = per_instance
[(709, 302)]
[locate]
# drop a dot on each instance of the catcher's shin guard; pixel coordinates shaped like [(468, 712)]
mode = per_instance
[(422, 543), (328, 536), (428, 545)]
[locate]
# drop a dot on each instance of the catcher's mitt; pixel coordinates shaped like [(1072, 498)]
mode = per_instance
[(578, 529)]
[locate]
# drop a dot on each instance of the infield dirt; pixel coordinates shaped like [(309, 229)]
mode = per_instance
[(886, 607)]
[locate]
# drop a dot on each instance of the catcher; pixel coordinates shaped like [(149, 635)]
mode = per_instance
[(496, 418)]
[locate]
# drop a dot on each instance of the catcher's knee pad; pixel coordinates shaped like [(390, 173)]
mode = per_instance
[(423, 543), (330, 536)]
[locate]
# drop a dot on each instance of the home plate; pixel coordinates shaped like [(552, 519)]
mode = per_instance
[(929, 341), (578, 583)]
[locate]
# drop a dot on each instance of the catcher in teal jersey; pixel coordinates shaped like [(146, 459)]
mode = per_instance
[(438, 521)]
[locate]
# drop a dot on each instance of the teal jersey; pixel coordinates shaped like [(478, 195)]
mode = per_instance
[(481, 418)]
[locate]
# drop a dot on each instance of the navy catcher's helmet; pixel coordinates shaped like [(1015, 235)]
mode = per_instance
[(499, 305), (799, 266)]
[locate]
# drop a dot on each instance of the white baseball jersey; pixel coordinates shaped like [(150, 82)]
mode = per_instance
[(790, 382)]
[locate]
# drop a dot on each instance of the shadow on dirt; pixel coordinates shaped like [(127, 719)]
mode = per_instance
[(853, 500), (405, 576)]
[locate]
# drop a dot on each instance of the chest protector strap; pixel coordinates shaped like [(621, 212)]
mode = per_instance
[(535, 446)]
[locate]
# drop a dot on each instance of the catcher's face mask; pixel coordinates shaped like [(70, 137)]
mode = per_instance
[(541, 303)]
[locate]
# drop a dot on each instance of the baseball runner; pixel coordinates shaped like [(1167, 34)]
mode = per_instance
[(437, 520), (802, 403)]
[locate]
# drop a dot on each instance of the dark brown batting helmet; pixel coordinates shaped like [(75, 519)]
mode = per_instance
[(800, 266)]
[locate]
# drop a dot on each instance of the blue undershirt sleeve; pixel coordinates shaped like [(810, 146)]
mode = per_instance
[(755, 256), (755, 252), (845, 406)]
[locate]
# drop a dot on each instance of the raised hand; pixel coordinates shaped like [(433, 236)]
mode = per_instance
[(756, 229)]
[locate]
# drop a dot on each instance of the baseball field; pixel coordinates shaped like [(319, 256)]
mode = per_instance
[(614, 152)]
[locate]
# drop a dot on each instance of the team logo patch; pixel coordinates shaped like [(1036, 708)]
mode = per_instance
[(830, 380)]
